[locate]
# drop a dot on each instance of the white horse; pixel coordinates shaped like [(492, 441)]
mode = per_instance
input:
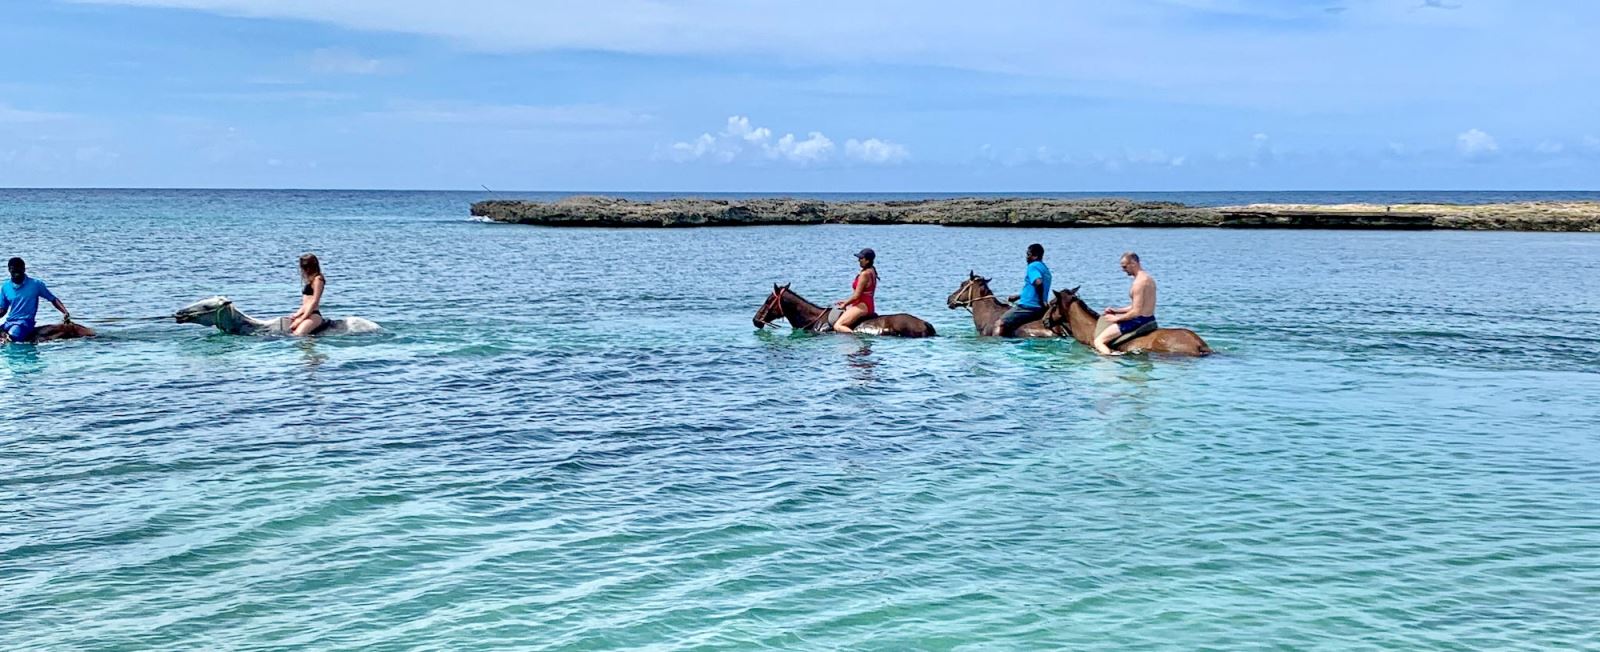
[(219, 312)]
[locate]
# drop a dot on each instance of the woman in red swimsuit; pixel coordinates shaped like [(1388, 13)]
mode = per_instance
[(860, 303)]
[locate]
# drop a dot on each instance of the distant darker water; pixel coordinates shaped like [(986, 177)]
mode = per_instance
[(574, 439)]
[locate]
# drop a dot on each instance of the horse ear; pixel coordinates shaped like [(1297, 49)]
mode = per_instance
[(1075, 290), (785, 286), (972, 275)]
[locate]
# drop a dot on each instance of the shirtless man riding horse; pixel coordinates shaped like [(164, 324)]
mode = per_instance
[(1141, 309)]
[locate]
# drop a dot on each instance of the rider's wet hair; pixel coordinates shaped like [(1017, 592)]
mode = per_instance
[(310, 267), (1036, 250), (1130, 256), (16, 267)]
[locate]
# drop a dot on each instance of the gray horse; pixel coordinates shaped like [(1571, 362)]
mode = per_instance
[(219, 312)]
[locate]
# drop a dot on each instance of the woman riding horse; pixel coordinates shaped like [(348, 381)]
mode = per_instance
[(861, 303)]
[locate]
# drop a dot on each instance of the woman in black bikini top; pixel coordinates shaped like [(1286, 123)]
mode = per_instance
[(308, 318)]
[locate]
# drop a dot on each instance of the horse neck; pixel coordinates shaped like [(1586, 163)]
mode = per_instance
[(1081, 321), (987, 309), (798, 311), (234, 321)]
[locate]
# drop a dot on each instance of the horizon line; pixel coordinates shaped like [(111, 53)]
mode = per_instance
[(796, 192)]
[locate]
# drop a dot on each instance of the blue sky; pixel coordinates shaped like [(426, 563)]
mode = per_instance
[(819, 95)]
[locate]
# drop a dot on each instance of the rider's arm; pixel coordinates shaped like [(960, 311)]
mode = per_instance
[(855, 295), (47, 295), (5, 305)]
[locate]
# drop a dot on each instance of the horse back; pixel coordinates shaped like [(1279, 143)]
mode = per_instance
[(1178, 341), (62, 332), (899, 324)]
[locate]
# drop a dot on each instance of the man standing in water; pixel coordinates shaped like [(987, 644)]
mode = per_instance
[(1029, 305), (1139, 312), (19, 303)]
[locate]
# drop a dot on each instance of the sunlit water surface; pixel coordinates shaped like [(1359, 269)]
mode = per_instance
[(574, 439)]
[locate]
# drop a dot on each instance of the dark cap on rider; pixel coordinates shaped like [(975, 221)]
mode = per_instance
[(867, 254)]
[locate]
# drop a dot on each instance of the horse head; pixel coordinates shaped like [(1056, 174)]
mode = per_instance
[(772, 309), (971, 290), (204, 311), (1057, 311)]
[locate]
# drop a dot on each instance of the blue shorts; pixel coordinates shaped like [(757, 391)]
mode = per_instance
[(1134, 324), (19, 331)]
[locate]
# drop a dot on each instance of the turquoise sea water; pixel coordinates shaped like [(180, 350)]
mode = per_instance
[(574, 439)]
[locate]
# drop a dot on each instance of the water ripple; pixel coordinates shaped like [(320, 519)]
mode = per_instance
[(574, 440)]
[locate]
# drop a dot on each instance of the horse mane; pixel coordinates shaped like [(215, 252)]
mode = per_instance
[(985, 283), (802, 299)]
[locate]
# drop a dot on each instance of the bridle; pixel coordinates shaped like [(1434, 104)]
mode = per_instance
[(776, 301), (1065, 305), (968, 288)]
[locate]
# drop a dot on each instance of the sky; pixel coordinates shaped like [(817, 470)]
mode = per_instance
[(813, 95)]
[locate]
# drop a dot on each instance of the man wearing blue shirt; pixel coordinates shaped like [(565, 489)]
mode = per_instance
[(1029, 305), (19, 303)]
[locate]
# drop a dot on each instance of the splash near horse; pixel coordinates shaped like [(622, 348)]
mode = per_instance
[(975, 295), (219, 312), (783, 303), (1070, 312), (63, 331)]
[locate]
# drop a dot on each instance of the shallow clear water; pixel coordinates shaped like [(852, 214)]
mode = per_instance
[(574, 439)]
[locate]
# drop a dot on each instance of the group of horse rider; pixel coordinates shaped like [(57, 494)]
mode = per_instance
[(20, 295), (1027, 306)]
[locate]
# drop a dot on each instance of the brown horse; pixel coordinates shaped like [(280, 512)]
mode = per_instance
[(62, 331), (804, 315), (1070, 311), (974, 295)]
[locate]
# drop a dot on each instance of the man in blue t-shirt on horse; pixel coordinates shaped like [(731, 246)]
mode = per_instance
[(19, 303), (1027, 306)]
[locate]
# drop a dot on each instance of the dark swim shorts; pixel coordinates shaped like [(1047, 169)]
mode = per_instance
[(1134, 324)]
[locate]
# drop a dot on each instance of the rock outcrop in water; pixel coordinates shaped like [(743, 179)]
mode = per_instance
[(685, 212)]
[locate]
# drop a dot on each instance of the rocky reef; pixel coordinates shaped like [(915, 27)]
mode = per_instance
[(593, 211)]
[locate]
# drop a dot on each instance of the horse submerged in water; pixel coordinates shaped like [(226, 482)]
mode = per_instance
[(66, 330), (219, 312), (1069, 311), (975, 295), (783, 303)]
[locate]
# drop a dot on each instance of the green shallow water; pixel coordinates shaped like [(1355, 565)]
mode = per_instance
[(573, 439)]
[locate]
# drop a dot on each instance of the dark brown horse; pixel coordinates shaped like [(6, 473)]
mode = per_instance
[(63, 331), (1069, 311), (974, 295), (804, 315)]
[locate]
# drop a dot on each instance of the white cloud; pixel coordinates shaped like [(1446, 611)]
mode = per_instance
[(1474, 143), (344, 62), (815, 148), (739, 136), (739, 126), (875, 151)]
